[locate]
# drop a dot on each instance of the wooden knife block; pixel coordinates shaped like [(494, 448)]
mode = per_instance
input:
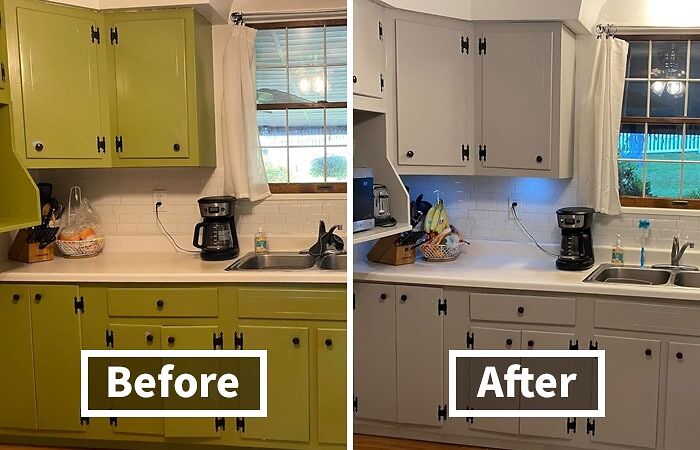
[(386, 251), (29, 252)]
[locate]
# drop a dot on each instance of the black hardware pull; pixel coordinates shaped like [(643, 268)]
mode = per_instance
[(382, 296), (15, 297), (679, 355), (176, 147), (404, 297), (647, 352), (296, 341), (149, 338), (37, 297), (160, 304), (521, 310), (509, 342), (2, 72), (539, 158), (410, 153), (171, 340), (39, 146), (329, 342), (354, 79), (530, 344)]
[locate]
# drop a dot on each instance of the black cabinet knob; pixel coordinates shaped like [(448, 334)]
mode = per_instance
[(404, 297), (410, 153), (530, 343), (383, 296), (176, 147), (354, 79), (521, 309), (329, 342), (39, 146), (37, 297), (15, 297), (160, 304), (171, 340), (539, 158), (295, 341), (647, 352), (679, 355), (149, 338), (509, 342)]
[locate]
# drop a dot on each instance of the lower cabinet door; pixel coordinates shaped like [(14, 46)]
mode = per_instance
[(547, 427), (331, 363), (631, 391), (56, 342), (190, 338), (17, 375), (493, 339), (682, 397), (138, 337), (287, 384)]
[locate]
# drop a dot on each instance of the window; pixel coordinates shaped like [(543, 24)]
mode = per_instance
[(301, 77), (659, 148)]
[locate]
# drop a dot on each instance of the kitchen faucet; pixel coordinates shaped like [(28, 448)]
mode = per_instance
[(327, 239), (677, 251)]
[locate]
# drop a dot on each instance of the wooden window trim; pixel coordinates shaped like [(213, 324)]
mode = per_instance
[(308, 188)]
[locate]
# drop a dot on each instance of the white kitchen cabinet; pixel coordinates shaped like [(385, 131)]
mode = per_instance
[(434, 90), (369, 57), (419, 328), (631, 391), (682, 430), (525, 93), (375, 351)]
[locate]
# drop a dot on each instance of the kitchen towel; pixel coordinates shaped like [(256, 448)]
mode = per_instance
[(599, 123), (244, 169)]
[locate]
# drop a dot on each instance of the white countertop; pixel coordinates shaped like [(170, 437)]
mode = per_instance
[(517, 266)]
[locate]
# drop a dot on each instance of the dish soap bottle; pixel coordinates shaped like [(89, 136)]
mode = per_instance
[(261, 244), (618, 253)]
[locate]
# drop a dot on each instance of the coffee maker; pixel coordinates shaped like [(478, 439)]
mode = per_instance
[(216, 235), (576, 242)]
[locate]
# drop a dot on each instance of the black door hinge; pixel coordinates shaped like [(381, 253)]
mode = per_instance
[(465, 45), (219, 423), (84, 421), (113, 421), (355, 402), (482, 153), (571, 425), (353, 301), (442, 307), (465, 153), (482, 46), (470, 340), (573, 345), (593, 345), (381, 82), (95, 34), (381, 31), (101, 144), (79, 304), (218, 341), (590, 427), (237, 341), (109, 338), (113, 36), (240, 424), (119, 144), (442, 412)]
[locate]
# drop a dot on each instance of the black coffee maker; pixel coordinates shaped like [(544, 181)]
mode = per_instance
[(216, 235), (576, 242)]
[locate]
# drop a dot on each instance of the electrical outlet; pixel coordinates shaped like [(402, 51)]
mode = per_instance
[(159, 195), (512, 199)]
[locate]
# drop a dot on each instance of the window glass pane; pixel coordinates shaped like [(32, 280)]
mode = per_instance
[(307, 84), (670, 102), (691, 181), (272, 128), (337, 84), (271, 85), (630, 178), (663, 179), (695, 59), (306, 127), (631, 145), (336, 164), (694, 99), (634, 103), (306, 165), (275, 164), (337, 126), (638, 60), (692, 142), (336, 45), (665, 142), (271, 48), (306, 46), (669, 59)]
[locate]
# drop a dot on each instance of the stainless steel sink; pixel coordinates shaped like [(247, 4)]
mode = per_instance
[(334, 262), (687, 279), (630, 275), (274, 261)]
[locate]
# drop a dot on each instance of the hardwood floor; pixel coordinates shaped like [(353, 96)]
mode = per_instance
[(364, 442)]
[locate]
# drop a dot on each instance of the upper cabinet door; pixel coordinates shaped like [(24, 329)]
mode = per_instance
[(60, 81), (369, 56), (152, 76), (433, 84)]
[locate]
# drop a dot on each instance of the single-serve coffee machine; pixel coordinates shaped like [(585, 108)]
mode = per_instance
[(216, 235), (576, 242)]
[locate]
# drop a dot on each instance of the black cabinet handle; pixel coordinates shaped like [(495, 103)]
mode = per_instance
[(171, 340), (521, 310), (39, 146), (37, 297), (176, 147), (149, 338), (539, 158), (329, 342), (354, 79), (410, 153), (404, 297), (295, 341), (509, 342), (647, 352), (383, 296), (15, 297), (679, 355), (160, 304), (531, 343)]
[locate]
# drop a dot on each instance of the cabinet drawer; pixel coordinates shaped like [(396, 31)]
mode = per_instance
[(186, 302), (524, 309), (622, 315), (282, 303)]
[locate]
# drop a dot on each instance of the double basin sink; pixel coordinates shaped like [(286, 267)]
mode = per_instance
[(290, 261), (644, 276)]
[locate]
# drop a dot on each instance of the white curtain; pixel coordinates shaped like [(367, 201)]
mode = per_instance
[(599, 123), (244, 170)]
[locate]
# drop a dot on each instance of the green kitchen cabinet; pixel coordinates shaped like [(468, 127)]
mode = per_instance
[(331, 369), (287, 385), (17, 378)]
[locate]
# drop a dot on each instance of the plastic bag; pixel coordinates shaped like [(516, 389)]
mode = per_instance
[(81, 222)]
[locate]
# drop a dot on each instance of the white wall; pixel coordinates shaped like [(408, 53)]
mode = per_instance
[(652, 13)]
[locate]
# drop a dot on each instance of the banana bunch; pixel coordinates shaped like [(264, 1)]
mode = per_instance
[(436, 221)]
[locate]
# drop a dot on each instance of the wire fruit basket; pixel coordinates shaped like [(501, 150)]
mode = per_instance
[(82, 249), (441, 252)]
